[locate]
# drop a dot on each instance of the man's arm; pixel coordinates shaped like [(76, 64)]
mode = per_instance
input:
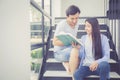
[(57, 42)]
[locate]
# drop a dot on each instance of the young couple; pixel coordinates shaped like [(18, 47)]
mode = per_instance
[(89, 59)]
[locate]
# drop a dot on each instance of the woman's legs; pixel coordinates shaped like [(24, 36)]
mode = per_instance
[(81, 73), (103, 70)]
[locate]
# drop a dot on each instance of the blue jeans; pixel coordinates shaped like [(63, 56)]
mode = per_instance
[(102, 71)]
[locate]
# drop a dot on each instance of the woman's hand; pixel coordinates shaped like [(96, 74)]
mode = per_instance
[(93, 66)]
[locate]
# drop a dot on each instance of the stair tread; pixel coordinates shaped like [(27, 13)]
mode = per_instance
[(52, 60), (56, 74), (51, 49), (65, 74)]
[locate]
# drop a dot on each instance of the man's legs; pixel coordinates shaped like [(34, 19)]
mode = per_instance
[(74, 60), (63, 56), (69, 58)]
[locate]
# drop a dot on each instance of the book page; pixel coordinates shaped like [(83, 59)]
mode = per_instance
[(68, 38)]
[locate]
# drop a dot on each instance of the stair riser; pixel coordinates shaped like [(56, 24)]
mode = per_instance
[(69, 78), (50, 54), (113, 67), (55, 66), (98, 78)]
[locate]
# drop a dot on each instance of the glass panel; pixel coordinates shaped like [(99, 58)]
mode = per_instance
[(36, 37), (47, 20), (47, 28), (47, 6)]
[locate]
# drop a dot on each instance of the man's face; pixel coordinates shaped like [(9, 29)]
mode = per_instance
[(72, 19)]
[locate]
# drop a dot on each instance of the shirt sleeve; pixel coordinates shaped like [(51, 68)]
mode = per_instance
[(105, 49), (59, 28)]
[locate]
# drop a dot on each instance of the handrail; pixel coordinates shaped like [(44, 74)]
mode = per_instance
[(40, 9)]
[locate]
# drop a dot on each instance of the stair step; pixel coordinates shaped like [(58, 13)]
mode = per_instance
[(56, 74), (64, 74), (52, 60), (54, 65)]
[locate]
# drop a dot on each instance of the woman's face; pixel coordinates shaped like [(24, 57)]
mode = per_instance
[(88, 28)]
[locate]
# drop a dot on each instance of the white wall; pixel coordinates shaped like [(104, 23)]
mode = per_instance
[(56, 8), (87, 7), (14, 40)]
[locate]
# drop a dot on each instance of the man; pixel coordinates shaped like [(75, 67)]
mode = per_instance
[(68, 55)]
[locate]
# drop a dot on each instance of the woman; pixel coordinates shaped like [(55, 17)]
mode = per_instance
[(94, 54)]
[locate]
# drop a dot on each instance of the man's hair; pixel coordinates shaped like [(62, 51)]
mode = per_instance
[(72, 10)]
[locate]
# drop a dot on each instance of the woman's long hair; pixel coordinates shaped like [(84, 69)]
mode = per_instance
[(96, 38)]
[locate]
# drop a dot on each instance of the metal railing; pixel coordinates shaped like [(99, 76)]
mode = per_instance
[(44, 44)]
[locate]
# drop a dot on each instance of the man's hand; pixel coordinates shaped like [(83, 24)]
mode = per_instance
[(74, 45)]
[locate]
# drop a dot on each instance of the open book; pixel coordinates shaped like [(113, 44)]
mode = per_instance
[(68, 38)]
